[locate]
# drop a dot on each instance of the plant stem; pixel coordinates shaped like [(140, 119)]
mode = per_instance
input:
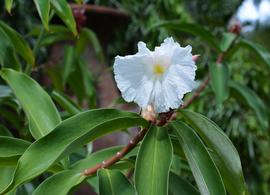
[(132, 144)]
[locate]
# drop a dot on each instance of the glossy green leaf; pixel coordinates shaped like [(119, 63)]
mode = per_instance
[(75, 82), (4, 131), (257, 49), (69, 62), (179, 185), (5, 176), (9, 154), (8, 4), (252, 100), (205, 172), (37, 104), (152, 173), (43, 8), (226, 41), (19, 44), (88, 83), (219, 74), (193, 29), (228, 162), (64, 11), (11, 149), (67, 137), (113, 182), (86, 37), (65, 102), (55, 34), (8, 57), (81, 165), (60, 184)]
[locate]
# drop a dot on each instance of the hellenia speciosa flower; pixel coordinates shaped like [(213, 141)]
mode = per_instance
[(158, 78)]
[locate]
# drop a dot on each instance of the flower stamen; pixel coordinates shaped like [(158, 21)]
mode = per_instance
[(158, 69)]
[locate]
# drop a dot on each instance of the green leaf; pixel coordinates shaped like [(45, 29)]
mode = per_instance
[(37, 104), (112, 182), (11, 149), (180, 186), (205, 172), (5, 176), (88, 83), (75, 82), (226, 41), (83, 164), (257, 49), (19, 44), (55, 34), (65, 102), (191, 28), (152, 173), (219, 74), (3, 130), (252, 100), (67, 137), (60, 184), (87, 36), (8, 4), (43, 8), (8, 57), (63, 10), (69, 62), (228, 163)]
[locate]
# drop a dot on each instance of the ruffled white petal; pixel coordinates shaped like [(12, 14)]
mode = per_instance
[(133, 78), (142, 49)]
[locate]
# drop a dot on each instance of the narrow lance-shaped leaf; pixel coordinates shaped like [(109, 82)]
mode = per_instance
[(252, 100), (61, 183), (6, 176), (19, 44), (69, 62), (205, 172), (228, 162), (153, 163), (226, 41), (8, 57), (43, 8), (67, 137), (113, 182), (88, 83), (8, 4), (3, 130), (257, 49), (193, 29), (55, 34), (65, 102), (37, 104), (179, 185), (219, 74), (87, 36), (11, 149), (63, 10)]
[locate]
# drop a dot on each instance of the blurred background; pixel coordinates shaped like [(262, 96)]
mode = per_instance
[(119, 24)]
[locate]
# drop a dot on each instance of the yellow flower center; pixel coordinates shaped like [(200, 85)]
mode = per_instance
[(158, 69)]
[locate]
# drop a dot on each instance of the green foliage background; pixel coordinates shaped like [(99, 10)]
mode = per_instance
[(152, 21)]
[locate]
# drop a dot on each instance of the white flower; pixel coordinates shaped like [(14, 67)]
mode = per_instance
[(159, 78)]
